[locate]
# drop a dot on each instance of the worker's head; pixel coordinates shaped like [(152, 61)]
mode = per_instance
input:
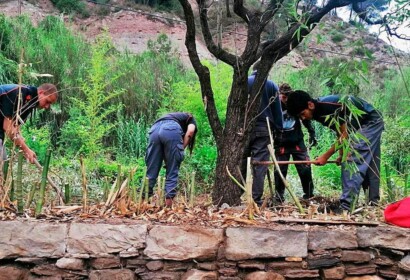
[(300, 104), (284, 91), (191, 143), (47, 95)]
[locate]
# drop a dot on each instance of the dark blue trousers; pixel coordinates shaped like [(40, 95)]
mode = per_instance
[(298, 152), (366, 159), (165, 144), (258, 150)]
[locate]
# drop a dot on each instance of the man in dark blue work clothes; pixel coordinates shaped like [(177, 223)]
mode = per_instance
[(168, 138), (289, 142), (16, 107), (335, 112), (258, 147)]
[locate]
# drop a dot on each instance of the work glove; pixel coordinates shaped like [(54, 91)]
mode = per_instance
[(312, 141)]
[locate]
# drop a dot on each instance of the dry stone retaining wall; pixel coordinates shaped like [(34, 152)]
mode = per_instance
[(55, 251)]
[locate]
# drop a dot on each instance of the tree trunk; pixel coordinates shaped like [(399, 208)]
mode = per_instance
[(235, 138)]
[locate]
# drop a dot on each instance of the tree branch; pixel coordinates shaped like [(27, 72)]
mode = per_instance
[(240, 10), (210, 44), (203, 74)]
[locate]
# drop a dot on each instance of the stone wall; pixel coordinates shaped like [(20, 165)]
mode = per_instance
[(52, 251)]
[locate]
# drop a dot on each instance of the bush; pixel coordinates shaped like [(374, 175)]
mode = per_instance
[(337, 37), (71, 6)]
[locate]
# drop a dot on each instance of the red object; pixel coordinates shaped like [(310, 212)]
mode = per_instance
[(398, 213), (28, 97)]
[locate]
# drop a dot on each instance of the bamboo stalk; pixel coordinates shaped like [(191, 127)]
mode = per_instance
[(254, 162), (139, 202), (19, 183), (234, 179), (67, 193), (162, 196), (248, 186), (106, 189), (132, 186), (285, 182), (43, 183), (192, 190), (160, 192), (30, 195), (84, 185), (51, 182)]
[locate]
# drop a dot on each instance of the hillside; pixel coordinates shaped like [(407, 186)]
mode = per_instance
[(131, 29)]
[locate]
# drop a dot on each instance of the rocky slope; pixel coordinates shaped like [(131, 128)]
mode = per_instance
[(131, 29)]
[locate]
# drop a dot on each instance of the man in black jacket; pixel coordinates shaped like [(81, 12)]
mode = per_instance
[(289, 142), (16, 107), (357, 121)]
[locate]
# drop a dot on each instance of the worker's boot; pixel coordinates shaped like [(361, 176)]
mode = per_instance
[(168, 202)]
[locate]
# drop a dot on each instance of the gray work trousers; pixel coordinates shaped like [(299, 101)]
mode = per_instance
[(366, 157), (165, 144), (258, 150)]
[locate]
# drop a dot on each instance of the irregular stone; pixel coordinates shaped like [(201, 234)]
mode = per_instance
[(32, 239), (403, 277), (10, 272), (396, 255), (78, 256), (331, 239), (284, 266), (404, 264), (226, 264), (177, 266), (293, 259), (33, 277), (207, 266), (31, 260), (129, 253), (383, 261), (104, 263), (387, 237), (368, 277), (229, 278), (360, 269), (302, 274), (252, 265), (228, 271), (155, 265), (183, 243), (251, 243), (334, 273), (195, 274), (50, 270), (71, 264), (388, 273), (133, 263), (356, 256), (262, 275), (111, 274), (320, 261), (103, 239), (160, 275)]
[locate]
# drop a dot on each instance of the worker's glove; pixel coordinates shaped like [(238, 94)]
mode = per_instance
[(312, 141)]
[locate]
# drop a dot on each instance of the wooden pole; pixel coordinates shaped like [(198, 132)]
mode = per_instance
[(289, 162)]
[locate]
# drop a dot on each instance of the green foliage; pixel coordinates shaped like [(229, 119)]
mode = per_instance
[(337, 37), (38, 139), (87, 126), (187, 97), (148, 79), (71, 6), (131, 137)]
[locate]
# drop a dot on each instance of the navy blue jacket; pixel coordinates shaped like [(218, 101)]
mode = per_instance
[(270, 104)]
